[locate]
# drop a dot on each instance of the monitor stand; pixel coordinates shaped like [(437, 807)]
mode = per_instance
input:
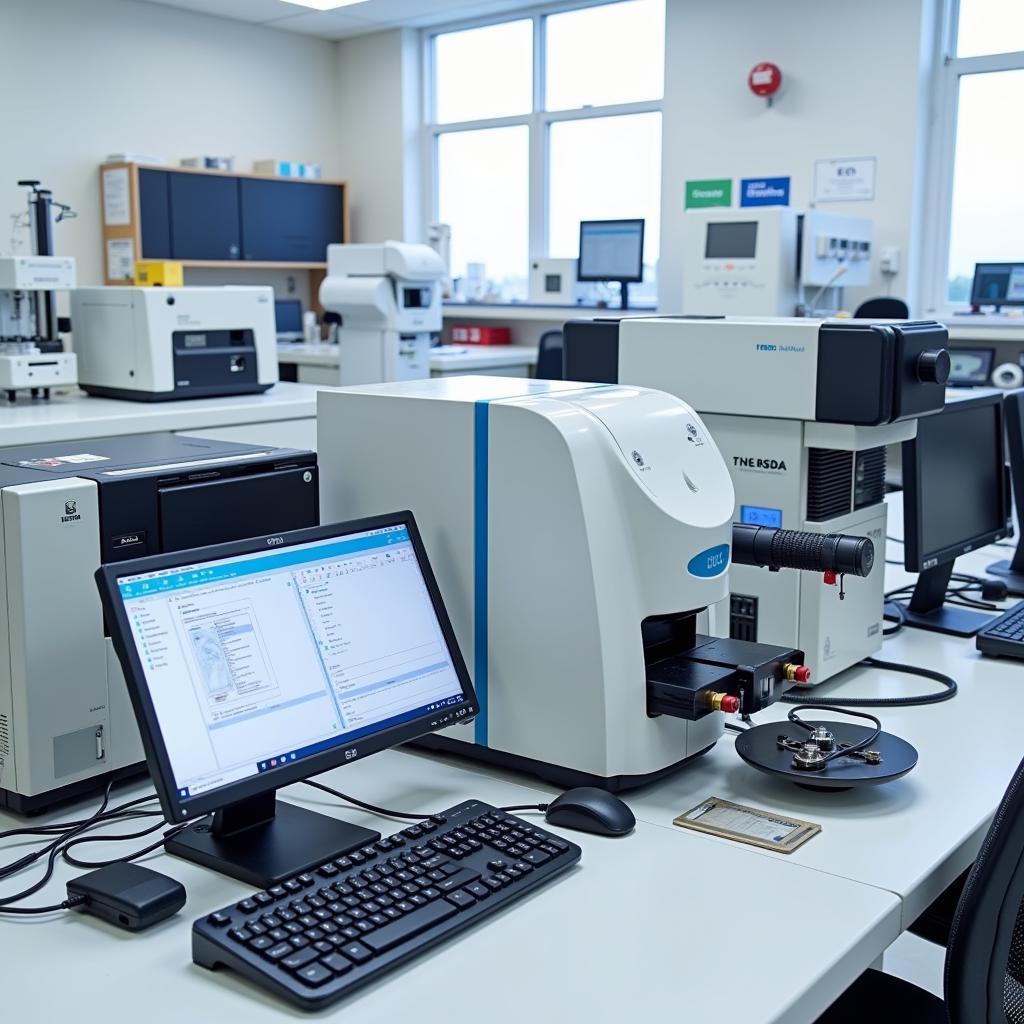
[(263, 841), (623, 295), (1011, 572), (927, 608)]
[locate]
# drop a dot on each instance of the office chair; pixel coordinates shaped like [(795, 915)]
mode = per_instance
[(883, 308), (549, 357), (984, 975)]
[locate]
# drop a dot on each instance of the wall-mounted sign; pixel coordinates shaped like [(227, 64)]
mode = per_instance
[(764, 192), (709, 192), (837, 181)]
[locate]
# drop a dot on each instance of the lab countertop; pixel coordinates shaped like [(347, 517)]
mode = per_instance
[(446, 357), (521, 311), (76, 415)]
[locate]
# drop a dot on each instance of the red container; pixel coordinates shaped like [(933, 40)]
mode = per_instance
[(480, 334)]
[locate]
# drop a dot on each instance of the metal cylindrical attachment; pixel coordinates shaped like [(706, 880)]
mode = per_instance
[(798, 549)]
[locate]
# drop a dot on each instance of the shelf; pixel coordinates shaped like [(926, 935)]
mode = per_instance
[(251, 265), (542, 314)]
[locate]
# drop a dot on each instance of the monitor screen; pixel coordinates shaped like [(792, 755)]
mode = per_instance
[(288, 316), (731, 240), (257, 662), (611, 250), (955, 482), (998, 284)]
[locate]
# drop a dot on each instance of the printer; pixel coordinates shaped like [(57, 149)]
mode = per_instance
[(803, 411), (582, 538), (66, 722), (389, 299), (156, 344)]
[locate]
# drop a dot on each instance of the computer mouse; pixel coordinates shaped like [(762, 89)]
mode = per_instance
[(588, 809)]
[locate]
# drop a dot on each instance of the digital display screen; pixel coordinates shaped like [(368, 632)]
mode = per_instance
[(611, 250), (195, 341), (731, 240), (263, 659), (757, 515)]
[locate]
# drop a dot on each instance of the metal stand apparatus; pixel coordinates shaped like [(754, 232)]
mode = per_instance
[(32, 355)]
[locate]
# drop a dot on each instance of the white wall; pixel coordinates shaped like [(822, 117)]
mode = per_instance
[(377, 118), (852, 87), (83, 78)]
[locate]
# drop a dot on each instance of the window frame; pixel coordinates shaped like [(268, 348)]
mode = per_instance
[(939, 181), (538, 120)]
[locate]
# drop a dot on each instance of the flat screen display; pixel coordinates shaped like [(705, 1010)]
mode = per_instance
[(731, 240)]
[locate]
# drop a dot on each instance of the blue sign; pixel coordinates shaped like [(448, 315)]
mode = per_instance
[(764, 192), (710, 563)]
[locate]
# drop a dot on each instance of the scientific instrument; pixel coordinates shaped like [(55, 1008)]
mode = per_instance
[(802, 411), (389, 300), (66, 725), (554, 282), (760, 261), (612, 250), (32, 355), (161, 344), (603, 614)]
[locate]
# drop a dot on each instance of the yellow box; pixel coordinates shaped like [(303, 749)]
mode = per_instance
[(166, 273)]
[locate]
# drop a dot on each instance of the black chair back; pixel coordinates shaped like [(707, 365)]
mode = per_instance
[(883, 308), (549, 357), (984, 981)]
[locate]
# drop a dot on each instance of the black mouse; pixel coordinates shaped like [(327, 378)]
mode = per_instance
[(588, 809)]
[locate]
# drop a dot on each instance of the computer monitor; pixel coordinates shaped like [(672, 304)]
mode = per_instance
[(1012, 571), (998, 285), (288, 317), (955, 499), (258, 664), (612, 250)]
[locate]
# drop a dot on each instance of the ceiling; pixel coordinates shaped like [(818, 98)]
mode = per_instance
[(371, 16)]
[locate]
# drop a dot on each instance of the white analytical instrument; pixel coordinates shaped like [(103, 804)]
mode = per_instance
[(158, 344), (803, 411), (581, 538), (768, 261), (389, 300)]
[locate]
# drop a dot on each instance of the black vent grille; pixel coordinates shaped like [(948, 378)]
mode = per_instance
[(829, 484), (869, 482), (743, 617)]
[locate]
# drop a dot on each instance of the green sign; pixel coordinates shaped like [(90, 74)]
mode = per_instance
[(712, 192)]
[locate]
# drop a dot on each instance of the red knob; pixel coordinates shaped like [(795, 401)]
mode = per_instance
[(730, 705), (830, 578), (802, 674)]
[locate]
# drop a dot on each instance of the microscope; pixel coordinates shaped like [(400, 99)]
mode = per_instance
[(803, 411), (32, 355)]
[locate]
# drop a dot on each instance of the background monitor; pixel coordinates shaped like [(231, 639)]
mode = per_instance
[(1012, 571), (970, 367), (612, 250), (288, 316), (997, 284), (955, 499), (258, 664)]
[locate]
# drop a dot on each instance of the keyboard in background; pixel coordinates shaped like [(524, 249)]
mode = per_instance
[(1004, 636), (316, 937)]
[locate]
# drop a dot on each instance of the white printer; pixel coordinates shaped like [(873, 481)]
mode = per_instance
[(389, 300), (156, 344), (580, 536), (66, 723), (803, 411)]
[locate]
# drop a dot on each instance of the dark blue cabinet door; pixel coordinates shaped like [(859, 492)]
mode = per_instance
[(205, 221), (289, 221), (154, 214)]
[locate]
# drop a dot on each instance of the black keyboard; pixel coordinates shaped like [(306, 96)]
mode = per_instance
[(1004, 637), (316, 937)]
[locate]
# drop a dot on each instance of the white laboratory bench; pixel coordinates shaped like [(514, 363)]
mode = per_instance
[(658, 920), (318, 364), (664, 921), (285, 415)]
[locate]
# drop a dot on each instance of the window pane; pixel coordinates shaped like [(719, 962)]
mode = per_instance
[(990, 26), (484, 72), (988, 211), (483, 193), (610, 54), (606, 168)]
